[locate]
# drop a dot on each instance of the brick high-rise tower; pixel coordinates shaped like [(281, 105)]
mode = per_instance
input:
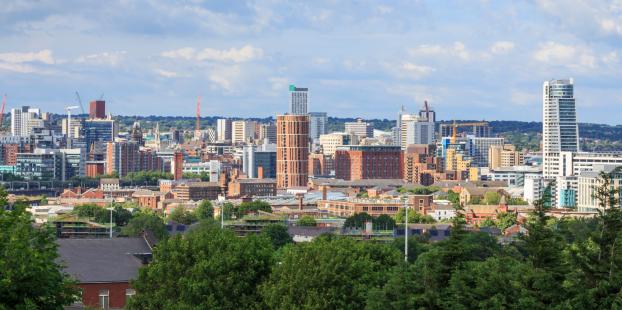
[(292, 150), (97, 109)]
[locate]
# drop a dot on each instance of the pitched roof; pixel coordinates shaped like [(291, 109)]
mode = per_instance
[(102, 260)]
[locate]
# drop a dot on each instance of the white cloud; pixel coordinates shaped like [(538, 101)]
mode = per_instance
[(165, 73), (610, 58), (225, 78), (321, 60), (457, 49), (384, 9), (278, 83), (243, 54), (19, 68), (523, 98), (572, 56), (415, 71), (554, 52), (502, 47), (105, 58), (43, 56)]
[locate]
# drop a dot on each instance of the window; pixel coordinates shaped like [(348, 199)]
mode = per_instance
[(129, 293), (104, 299)]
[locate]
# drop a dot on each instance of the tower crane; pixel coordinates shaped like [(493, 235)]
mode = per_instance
[(2, 111), (455, 126), (80, 101)]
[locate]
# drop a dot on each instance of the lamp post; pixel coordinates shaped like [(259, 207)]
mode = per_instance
[(111, 209), (406, 230)]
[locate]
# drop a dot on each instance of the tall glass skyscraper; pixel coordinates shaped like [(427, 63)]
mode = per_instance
[(560, 132), (298, 100)]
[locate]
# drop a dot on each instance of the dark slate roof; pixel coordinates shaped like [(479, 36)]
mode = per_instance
[(102, 260), (309, 231)]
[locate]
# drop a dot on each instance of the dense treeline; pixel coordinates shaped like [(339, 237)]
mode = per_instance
[(569, 264)]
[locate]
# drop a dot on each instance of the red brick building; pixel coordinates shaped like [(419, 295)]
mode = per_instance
[(357, 162), (97, 109), (177, 165), (104, 268), (292, 150)]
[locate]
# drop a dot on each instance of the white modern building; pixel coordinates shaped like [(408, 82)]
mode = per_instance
[(560, 131), (587, 183), (24, 120), (515, 176), (298, 100), (223, 129), (360, 128), (242, 131), (415, 130)]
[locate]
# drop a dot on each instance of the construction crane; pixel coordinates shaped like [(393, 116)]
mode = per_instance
[(455, 126), (2, 111), (69, 129), (80, 101), (197, 129)]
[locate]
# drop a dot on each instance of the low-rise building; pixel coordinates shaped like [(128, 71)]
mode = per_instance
[(251, 187), (375, 207), (197, 191)]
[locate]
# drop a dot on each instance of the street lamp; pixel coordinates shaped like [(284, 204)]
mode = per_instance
[(406, 230), (111, 209)]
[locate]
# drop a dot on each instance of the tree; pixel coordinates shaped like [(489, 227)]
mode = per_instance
[(182, 215), (357, 220), (205, 210), (328, 273), (488, 222), (492, 198), (30, 277), (206, 268), (383, 222), (277, 233), (599, 258), (145, 221), (252, 207), (453, 196), (306, 220), (413, 217), (506, 219)]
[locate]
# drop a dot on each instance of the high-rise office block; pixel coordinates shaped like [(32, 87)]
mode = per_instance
[(223, 128), (24, 120), (122, 157), (292, 150), (478, 149), (97, 109), (242, 131), (97, 132), (360, 128), (317, 124), (415, 130), (560, 131), (298, 100), (330, 142), (267, 133), (258, 163)]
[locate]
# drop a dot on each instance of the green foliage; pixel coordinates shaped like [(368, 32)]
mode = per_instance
[(277, 233), (506, 219), (30, 277), (252, 207), (488, 222), (517, 202), (205, 210), (203, 176), (358, 220), (419, 190), (120, 215), (182, 215), (453, 196), (475, 200), (413, 217), (306, 220), (328, 273), (145, 221), (492, 198), (147, 177), (207, 268)]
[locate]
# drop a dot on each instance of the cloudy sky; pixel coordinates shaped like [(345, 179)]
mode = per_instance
[(470, 59)]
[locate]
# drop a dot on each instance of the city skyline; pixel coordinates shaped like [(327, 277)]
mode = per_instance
[(357, 60)]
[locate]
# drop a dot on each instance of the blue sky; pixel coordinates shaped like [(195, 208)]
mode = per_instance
[(470, 59)]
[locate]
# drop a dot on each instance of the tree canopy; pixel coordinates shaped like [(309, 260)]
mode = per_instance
[(207, 268), (30, 277)]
